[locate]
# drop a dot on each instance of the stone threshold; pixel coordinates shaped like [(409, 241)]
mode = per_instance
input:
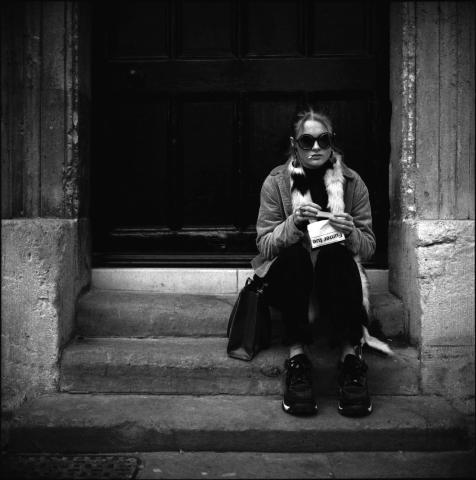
[(217, 281)]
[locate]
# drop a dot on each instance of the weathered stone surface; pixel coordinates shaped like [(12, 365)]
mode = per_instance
[(103, 313), (403, 274), (431, 260), (126, 423), (445, 258), (449, 371), (201, 366), (434, 275), (456, 464), (42, 164), (197, 281), (41, 279), (403, 165)]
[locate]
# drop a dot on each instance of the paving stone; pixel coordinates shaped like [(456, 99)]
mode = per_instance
[(307, 465)]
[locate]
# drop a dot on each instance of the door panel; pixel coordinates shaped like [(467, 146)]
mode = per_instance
[(269, 132), (340, 28), (272, 28), (207, 140), (194, 105), (204, 29), (137, 30), (134, 163)]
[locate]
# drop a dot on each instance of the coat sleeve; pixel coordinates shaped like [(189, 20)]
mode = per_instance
[(274, 231), (362, 240)]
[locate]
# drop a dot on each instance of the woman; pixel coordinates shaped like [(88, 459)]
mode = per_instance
[(315, 179)]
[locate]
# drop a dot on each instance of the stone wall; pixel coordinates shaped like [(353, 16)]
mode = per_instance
[(431, 229), (42, 277), (45, 155)]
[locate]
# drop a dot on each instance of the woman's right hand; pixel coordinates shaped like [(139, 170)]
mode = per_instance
[(305, 212)]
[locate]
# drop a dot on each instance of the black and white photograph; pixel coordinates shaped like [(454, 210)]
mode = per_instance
[(237, 239)]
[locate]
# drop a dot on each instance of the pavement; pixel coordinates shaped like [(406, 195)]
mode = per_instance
[(307, 465), (235, 465)]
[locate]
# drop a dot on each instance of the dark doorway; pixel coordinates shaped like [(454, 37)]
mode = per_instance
[(192, 106)]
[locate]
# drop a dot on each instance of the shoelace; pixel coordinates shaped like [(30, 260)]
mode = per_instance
[(355, 372), (299, 374)]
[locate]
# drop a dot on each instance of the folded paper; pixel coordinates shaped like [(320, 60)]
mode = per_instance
[(323, 233)]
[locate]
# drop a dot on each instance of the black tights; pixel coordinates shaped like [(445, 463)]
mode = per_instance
[(339, 293)]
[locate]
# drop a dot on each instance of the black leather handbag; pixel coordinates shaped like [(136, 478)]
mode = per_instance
[(249, 326)]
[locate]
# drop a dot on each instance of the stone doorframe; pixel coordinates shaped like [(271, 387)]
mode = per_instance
[(431, 230)]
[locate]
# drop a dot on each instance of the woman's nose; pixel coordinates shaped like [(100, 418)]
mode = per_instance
[(315, 146)]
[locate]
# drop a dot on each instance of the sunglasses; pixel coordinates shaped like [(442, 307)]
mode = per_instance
[(324, 140)]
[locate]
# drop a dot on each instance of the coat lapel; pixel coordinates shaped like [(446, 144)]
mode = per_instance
[(284, 182)]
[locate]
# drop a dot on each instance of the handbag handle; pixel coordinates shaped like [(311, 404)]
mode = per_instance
[(258, 285)]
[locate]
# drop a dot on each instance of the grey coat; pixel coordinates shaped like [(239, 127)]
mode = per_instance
[(276, 229)]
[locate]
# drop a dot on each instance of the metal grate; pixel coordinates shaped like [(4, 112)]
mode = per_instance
[(70, 466)]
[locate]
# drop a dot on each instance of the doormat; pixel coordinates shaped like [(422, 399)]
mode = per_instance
[(70, 466)]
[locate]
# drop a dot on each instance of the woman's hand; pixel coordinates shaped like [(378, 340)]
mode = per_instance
[(305, 212), (342, 222)]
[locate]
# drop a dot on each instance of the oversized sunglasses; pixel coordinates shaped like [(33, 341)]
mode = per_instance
[(324, 140)]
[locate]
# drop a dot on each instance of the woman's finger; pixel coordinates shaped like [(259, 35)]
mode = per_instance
[(341, 223), (345, 216), (310, 212), (311, 205)]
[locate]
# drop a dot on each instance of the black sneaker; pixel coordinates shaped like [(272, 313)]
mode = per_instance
[(298, 395), (354, 399)]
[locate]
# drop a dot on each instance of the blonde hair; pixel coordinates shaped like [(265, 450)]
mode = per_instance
[(310, 114)]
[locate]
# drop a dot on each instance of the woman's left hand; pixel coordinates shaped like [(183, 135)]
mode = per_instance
[(342, 222)]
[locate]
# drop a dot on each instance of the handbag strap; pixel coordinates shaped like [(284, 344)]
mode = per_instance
[(257, 283)]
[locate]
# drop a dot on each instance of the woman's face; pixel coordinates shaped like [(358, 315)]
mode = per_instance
[(317, 156)]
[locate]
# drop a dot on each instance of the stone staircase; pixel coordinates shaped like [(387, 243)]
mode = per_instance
[(148, 372)]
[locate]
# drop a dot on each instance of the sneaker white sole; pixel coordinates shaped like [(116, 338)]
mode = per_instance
[(367, 411), (289, 409)]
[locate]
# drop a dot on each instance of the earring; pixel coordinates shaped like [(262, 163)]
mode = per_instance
[(295, 161)]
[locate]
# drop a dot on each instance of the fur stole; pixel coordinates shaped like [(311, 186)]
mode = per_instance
[(334, 183)]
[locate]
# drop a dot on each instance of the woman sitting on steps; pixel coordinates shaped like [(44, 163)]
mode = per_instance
[(313, 180)]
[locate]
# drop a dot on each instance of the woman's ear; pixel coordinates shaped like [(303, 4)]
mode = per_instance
[(293, 146)]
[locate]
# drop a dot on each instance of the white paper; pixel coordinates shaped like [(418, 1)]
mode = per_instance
[(323, 233)]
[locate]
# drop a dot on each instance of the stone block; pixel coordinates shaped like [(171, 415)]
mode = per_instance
[(449, 371), (167, 280), (445, 258), (40, 282)]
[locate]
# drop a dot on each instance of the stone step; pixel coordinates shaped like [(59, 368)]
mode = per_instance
[(181, 365), (208, 281), (104, 313), (144, 423)]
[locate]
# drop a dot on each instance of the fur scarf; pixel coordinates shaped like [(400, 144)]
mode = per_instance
[(334, 183)]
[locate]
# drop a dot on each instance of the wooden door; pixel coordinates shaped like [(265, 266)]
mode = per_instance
[(193, 104)]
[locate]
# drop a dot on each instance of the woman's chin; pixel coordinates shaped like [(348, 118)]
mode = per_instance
[(315, 162)]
